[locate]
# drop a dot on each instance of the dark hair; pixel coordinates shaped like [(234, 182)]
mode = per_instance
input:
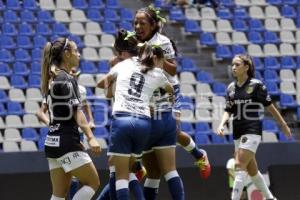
[(247, 60), (152, 17), (52, 58), (126, 42), (146, 54)]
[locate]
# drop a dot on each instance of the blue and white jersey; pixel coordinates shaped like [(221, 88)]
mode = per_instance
[(134, 89)]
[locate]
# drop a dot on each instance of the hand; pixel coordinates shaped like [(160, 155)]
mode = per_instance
[(286, 130), (92, 125), (220, 130), (94, 145)]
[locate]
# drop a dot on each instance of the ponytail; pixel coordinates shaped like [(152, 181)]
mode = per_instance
[(146, 56), (46, 68)]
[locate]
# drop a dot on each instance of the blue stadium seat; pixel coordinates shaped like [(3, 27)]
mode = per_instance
[(271, 75), (45, 16), (109, 27), (298, 61), (271, 37), (30, 134), (80, 4), (88, 67), (41, 143), (43, 132), (187, 103), (7, 42), (13, 5), (103, 66), (5, 70), (290, 2), (238, 49), (34, 81), (90, 93), (2, 6), (3, 96), (270, 125), (230, 138), (6, 56), (39, 41), (43, 29), (101, 132), (288, 62), (100, 118), (10, 16), (176, 14), (203, 128), (9, 29), (187, 64), (3, 111), (241, 13), (187, 127), (219, 88), (18, 81), (298, 112), (36, 54), (271, 63), (259, 65), (240, 25), (111, 15), (20, 68), (224, 13), (274, 2), (207, 39), (96, 4), (283, 138), (35, 68), (100, 105), (256, 25), (204, 77), (30, 5), (287, 101), (54, 37), (201, 138), (258, 75), (27, 16), (227, 3), (126, 14), (14, 108), (272, 88), (288, 11), (60, 29), (113, 4), (223, 52), (216, 139), (26, 29), (255, 37), (126, 25), (192, 26), (77, 40), (22, 55), (298, 22), (24, 42), (95, 15)]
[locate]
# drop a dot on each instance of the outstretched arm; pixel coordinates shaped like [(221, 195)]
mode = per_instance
[(170, 66), (224, 120)]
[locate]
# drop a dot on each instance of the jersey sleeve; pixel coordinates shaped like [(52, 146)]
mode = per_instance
[(163, 80), (229, 101), (168, 49), (115, 70), (82, 91), (262, 95)]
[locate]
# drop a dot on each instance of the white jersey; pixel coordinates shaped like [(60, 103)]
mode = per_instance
[(133, 88), (82, 92)]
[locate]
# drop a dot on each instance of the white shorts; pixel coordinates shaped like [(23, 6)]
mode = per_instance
[(70, 161), (248, 141)]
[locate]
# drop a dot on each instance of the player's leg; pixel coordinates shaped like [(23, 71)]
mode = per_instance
[(121, 164)]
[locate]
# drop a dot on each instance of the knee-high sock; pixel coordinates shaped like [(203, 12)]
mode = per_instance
[(112, 183), (104, 195), (135, 187), (175, 185), (151, 188), (260, 183), (193, 149), (56, 198), (238, 184), (86, 193), (122, 189)]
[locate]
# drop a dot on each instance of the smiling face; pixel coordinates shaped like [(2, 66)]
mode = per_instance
[(144, 26)]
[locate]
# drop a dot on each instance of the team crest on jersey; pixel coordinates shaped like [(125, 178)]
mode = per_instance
[(249, 90), (244, 139)]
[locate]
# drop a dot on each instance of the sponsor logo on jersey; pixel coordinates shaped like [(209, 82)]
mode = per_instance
[(249, 90), (52, 141), (242, 101)]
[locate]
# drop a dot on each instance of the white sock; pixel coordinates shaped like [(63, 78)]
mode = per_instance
[(152, 183), (122, 184), (85, 193), (260, 183), (238, 185), (190, 146), (56, 198)]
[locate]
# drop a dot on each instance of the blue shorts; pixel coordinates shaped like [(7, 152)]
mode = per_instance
[(129, 135), (178, 99), (163, 134)]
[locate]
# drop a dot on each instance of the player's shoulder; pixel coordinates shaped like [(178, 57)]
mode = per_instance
[(231, 86), (254, 82), (160, 39)]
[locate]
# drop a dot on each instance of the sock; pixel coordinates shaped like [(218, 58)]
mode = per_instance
[(193, 149), (135, 187), (122, 189), (151, 188), (74, 187), (238, 184), (112, 183), (104, 195), (86, 193), (260, 183), (175, 185), (56, 198)]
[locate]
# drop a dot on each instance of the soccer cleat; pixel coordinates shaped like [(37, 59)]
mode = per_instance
[(141, 173), (204, 165)]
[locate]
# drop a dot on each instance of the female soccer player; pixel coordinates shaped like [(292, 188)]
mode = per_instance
[(62, 145), (246, 97)]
